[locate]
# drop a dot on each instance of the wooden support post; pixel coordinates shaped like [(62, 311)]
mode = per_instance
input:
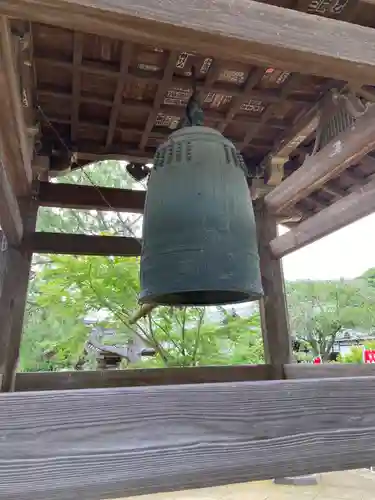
[(273, 309), (15, 263)]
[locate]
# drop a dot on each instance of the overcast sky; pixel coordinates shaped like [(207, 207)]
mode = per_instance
[(344, 254)]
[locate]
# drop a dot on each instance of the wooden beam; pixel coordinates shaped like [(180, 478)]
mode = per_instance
[(10, 217), (158, 99), (237, 102), (251, 32), (273, 309), (345, 150), (349, 209), (90, 198), (76, 85), (126, 54), (328, 370), (52, 381), (108, 443), (81, 244), (13, 130)]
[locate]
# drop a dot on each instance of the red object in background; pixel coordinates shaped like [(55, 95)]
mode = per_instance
[(369, 355), (317, 360)]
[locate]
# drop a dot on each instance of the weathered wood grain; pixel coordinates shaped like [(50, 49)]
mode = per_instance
[(344, 151), (273, 308), (93, 444), (48, 381), (14, 278), (82, 244), (241, 30), (89, 197), (328, 370), (10, 216), (338, 215), (12, 96)]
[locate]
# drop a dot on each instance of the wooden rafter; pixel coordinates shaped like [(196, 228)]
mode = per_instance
[(76, 86), (288, 87), (160, 134), (345, 150), (143, 106), (252, 80), (253, 32), (162, 88), (268, 96), (126, 54), (341, 213)]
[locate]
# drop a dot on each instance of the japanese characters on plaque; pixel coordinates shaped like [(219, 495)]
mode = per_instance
[(327, 7), (163, 120), (275, 76), (232, 76), (216, 100), (177, 97), (206, 65), (183, 59), (148, 67), (253, 106)]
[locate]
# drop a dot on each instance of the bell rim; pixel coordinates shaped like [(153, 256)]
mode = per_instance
[(164, 299)]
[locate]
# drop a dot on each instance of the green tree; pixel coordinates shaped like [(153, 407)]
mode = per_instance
[(318, 311), (64, 290), (72, 288)]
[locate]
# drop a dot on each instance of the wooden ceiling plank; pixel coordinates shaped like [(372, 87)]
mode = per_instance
[(76, 85), (139, 106), (268, 96), (90, 198), (10, 216), (252, 80), (345, 150), (126, 55), (162, 89), (338, 215), (14, 132), (250, 32)]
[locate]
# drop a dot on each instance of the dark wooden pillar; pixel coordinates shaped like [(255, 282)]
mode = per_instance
[(273, 308), (15, 265)]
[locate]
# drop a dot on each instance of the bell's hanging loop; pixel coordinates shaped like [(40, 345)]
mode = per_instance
[(199, 236)]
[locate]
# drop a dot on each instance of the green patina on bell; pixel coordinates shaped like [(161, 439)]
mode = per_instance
[(199, 235)]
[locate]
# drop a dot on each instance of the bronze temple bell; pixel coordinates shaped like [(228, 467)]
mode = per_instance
[(199, 235)]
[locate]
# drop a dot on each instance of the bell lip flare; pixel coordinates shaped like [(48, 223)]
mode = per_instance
[(201, 298)]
